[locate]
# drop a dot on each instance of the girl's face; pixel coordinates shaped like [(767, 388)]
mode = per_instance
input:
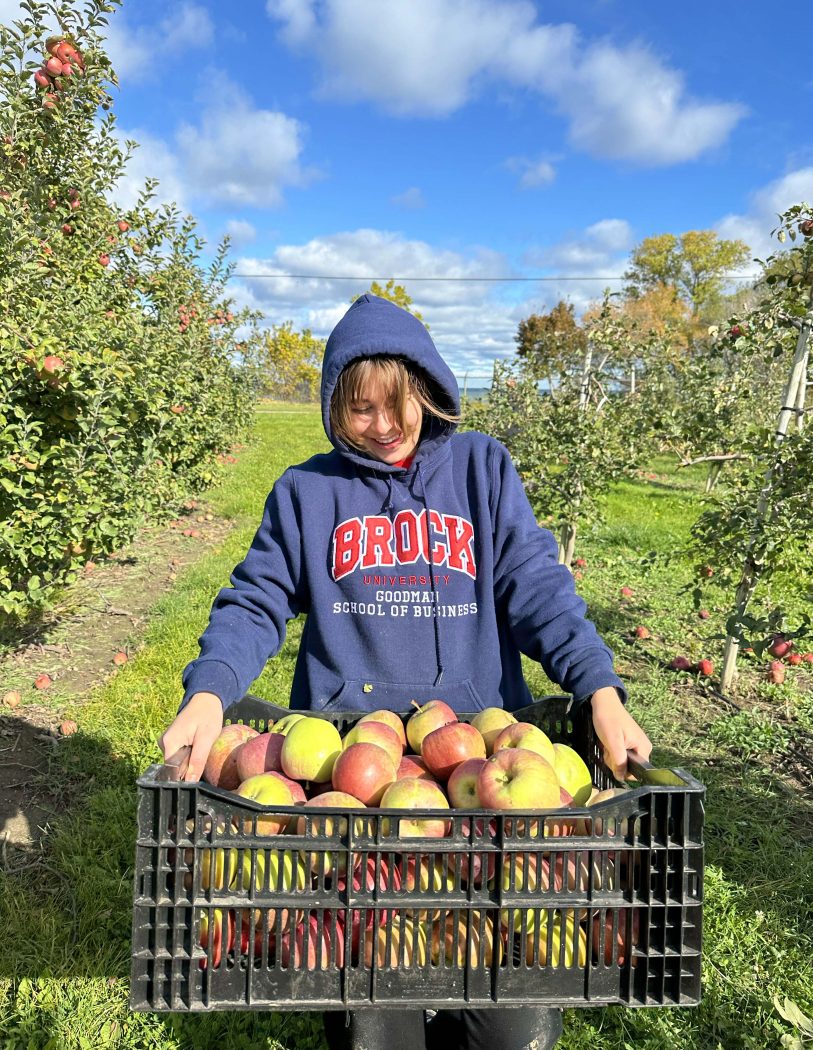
[(375, 426)]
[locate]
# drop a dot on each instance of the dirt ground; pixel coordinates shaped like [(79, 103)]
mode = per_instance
[(103, 614)]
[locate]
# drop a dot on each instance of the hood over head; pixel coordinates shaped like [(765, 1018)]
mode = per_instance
[(373, 327)]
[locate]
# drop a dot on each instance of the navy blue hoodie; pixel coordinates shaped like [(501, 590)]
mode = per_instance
[(397, 611)]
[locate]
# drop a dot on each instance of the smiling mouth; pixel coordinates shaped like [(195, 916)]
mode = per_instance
[(391, 443)]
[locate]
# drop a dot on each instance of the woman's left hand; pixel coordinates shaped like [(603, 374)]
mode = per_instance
[(617, 730)]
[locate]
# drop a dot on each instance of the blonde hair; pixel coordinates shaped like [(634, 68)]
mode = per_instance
[(395, 378)]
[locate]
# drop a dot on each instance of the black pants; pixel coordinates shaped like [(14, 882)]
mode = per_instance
[(503, 1028)]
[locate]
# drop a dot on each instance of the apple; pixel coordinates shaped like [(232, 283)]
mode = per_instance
[(806, 227), (54, 67), (49, 102), (808, 658), (51, 365), (425, 720), (221, 765), (528, 737), (286, 723), (414, 794), (389, 718), (123, 225), (794, 659), (104, 259), (260, 754), (218, 938), (642, 632), (704, 614), (269, 790), (444, 749), (313, 948), (491, 723), (620, 944), (328, 827), (450, 938), (780, 646), (627, 592), (462, 786), (515, 778), (377, 733), (42, 79), (573, 774), (680, 663), (310, 750), (595, 825), (580, 563), (370, 880), (296, 789), (705, 667), (575, 942), (366, 771), (414, 766), (402, 942), (776, 672)]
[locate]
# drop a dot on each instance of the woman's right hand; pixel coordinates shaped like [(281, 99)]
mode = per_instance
[(197, 726)]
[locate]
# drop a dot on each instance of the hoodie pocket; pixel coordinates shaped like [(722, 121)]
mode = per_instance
[(363, 695)]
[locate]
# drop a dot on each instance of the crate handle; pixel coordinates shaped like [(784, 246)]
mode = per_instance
[(649, 774)]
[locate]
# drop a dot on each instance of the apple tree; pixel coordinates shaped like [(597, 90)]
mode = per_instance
[(121, 380)]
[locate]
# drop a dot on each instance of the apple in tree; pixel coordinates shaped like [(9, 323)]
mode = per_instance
[(310, 750), (221, 765), (462, 786), (377, 733), (365, 771), (515, 778), (444, 749), (389, 718), (415, 794), (269, 790), (425, 720), (491, 723), (413, 766), (528, 737)]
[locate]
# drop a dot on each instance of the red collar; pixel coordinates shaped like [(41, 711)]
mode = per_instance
[(404, 464)]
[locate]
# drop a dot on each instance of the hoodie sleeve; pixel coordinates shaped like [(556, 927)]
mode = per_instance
[(247, 621), (537, 595)]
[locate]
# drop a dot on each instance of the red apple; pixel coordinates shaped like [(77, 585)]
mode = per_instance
[(415, 794), (377, 733), (444, 749), (425, 720), (372, 879), (515, 778), (776, 673), (328, 827), (123, 225), (627, 592), (104, 259), (54, 67), (528, 737), (219, 938), (794, 659), (808, 658), (389, 718), (42, 79), (221, 765), (462, 786), (491, 723), (780, 646), (620, 945), (642, 632), (681, 663), (260, 754), (313, 948), (413, 766), (705, 667), (365, 771), (704, 614)]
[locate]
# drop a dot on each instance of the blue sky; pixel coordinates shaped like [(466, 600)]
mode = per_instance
[(462, 138)]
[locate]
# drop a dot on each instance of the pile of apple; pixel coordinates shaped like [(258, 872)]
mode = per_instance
[(493, 763)]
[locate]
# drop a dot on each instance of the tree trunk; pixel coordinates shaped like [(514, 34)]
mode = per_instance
[(750, 574), (713, 476), (802, 393), (567, 543)]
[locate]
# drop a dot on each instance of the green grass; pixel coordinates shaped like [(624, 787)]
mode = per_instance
[(66, 919)]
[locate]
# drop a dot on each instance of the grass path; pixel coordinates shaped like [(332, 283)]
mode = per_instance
[(63, 974)]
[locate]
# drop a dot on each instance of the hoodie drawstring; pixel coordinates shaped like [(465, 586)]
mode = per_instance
[(435, 618)]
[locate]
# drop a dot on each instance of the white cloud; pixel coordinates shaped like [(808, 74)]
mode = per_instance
[(532, 173), (240, 154), (139, 52), (236, 154), (765, 206), (472, 322), (240, 232), (430, 57), (410, 199)]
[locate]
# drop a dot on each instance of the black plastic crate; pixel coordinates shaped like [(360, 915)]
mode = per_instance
[(226, 919)]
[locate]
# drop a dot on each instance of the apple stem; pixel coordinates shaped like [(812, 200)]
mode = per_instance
[(416, 705)]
